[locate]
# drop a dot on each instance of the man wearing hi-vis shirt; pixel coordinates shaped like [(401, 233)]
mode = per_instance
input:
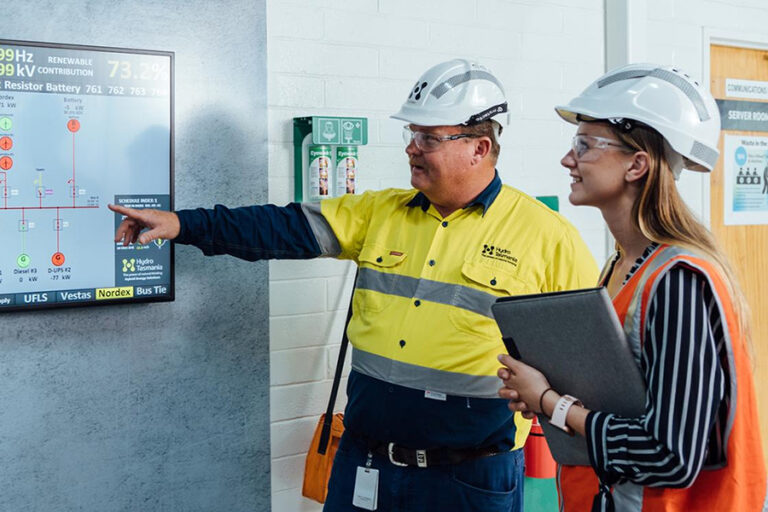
[(422, 411)]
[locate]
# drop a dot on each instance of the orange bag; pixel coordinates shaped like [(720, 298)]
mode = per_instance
[(325, 442), (317, 468)]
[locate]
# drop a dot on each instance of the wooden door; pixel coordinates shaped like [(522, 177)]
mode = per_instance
[(746, 245)]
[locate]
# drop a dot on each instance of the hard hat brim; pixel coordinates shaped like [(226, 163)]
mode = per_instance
[(418, 117)]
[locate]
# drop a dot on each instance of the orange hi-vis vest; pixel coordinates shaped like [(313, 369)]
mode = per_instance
[(739, 484)]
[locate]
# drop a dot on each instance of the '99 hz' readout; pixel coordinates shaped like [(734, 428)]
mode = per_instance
[(7, 57)]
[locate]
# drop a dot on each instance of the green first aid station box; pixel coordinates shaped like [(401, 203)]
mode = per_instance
[(325, 131)]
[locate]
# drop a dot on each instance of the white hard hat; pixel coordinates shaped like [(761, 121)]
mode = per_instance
[(455, 92), (662, 97)]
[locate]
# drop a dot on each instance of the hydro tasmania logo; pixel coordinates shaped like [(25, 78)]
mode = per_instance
[(497, 253)]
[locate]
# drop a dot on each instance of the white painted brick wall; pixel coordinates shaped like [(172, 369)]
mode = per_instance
[(359, 57)]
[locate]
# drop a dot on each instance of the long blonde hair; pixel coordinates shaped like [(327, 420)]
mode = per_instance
[(661, 215)]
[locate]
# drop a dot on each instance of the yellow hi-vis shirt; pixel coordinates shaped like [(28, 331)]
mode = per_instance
[(422, 303)]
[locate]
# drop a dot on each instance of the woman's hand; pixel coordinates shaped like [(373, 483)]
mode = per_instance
[(523, 385)]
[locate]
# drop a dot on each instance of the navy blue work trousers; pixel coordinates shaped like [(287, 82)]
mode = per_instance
[(484, 484)]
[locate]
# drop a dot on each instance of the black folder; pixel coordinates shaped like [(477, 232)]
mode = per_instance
[(576, 340)]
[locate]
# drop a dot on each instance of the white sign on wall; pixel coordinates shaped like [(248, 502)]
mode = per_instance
[(735, 88), (745, 164)]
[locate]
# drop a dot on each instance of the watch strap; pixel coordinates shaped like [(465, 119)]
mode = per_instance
[(560, 413)]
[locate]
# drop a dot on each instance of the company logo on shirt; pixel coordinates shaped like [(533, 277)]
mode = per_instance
[(498, 253)]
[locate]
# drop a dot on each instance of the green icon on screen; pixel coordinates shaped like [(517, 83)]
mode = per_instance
[(22, 261), (129, 265)]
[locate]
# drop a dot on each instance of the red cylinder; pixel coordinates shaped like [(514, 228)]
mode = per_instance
[(538, 459)]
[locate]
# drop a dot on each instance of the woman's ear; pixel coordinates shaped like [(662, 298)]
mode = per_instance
[(638, 167)]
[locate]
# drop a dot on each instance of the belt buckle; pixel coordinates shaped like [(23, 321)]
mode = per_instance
[(421, 457), (390, 450)]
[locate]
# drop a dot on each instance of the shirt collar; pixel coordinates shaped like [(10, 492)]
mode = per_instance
[(484, 198)]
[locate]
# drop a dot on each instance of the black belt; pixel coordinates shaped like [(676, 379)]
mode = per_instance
[(402, 456)]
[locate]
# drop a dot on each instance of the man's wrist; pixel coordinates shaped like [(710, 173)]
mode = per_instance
[(183, 219)]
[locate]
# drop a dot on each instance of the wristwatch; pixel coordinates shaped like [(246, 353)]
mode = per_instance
[(560, 413)]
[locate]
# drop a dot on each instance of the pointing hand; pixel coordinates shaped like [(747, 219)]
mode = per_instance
[(161, 224)]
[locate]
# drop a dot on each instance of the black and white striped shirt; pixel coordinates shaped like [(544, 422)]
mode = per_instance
[(686, 405)]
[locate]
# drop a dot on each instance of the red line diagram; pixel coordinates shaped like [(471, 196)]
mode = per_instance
[(6, 163), (73, 125)]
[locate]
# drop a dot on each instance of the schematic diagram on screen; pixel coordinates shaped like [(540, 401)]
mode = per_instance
[(80, 128)]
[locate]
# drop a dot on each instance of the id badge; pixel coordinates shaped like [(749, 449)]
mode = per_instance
[(366, 492)]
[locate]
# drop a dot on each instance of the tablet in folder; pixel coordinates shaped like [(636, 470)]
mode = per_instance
[(576, 340)]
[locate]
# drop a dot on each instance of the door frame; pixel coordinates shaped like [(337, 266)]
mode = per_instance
[(755, 41)]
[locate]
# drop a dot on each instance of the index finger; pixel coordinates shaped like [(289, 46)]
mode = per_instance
[(117, 208), (128, 212)]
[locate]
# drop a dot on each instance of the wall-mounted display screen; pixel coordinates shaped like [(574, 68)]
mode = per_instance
[(81, 127)]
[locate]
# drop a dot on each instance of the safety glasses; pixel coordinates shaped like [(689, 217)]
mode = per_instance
[(581, 144), (427, 142)]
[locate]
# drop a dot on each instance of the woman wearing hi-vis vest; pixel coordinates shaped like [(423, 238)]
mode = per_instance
[(697, 445)]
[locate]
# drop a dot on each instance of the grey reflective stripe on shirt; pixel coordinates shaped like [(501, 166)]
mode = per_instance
[(456, 295), (423, 378), (326, 238), (452, 82), (633, 318)]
